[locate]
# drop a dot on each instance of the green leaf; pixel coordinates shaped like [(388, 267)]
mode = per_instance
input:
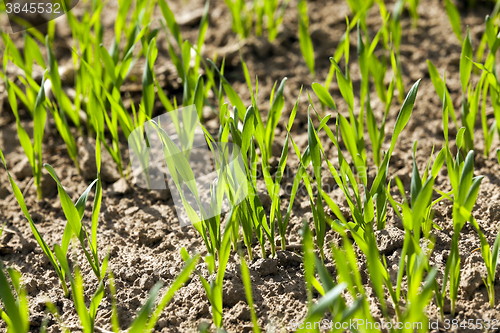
[(466, 178), (404, 114), (317, 310), (234, 98), (401, 121), (274, 116), (438, 163), (170, 19), (466, 61), (17, 324), (345, 85), (247, 283), (460, 137), (308, 249), (442, 91), (198, 96), (348, 136), (70, 211), (323, 95), (82, 201), (416, 182), (304, 37), (148, 96), (20, 199), (454, 17)]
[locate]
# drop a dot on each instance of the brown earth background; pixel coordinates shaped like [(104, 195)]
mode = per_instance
[(141, 230)]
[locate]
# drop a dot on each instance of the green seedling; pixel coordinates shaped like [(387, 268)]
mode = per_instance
[(50, 255), (264, 135), (33, 150), (146, 318), (105, 71), (420, 292), (490, 34), (471, 97), (377, 67), (416, 216), (37, 106), (413, 4), (454, 17), (114, 311), (348, 272), (443, 93), (421, 187), (396, 33), (52, 309), (273, 186), (362, 210), (247, 283), (369, 64), (268, 15), (274, 14), (55, 79), (242, 17), (465, 191), (194, 90), (15, 312), (304, 37), (74, 214), (213, 288), (283, 223), (351, 130), (252, 213), (87, 315), (100, 98), (470, 105), (331, 293), (273, 117), (490, 83), (490, 256), (318, 210), (311, 155), (230, 176), (31, 54), (360, 8)]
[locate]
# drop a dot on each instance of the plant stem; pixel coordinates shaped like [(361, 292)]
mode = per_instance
[(250, 256), (38, 191)]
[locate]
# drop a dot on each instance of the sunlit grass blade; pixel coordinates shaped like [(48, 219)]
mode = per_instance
[(454, 17), (16, 308), (304, 37), (274, 116), (324, 96), (74, 217), (245, 276), (20, 199), (401, 121)]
